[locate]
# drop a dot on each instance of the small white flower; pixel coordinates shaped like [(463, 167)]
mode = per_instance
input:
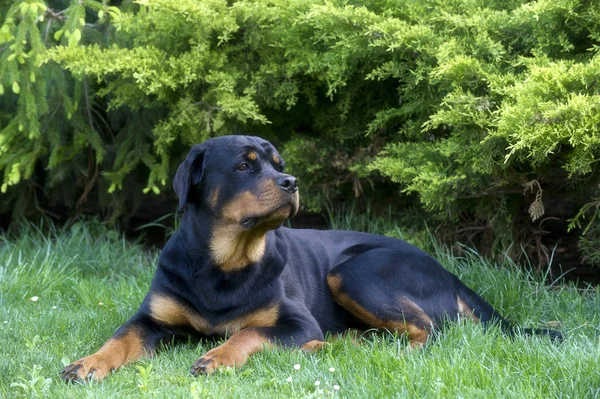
[(100, 303), (296, 367), (5, 321), (336, 387), (289, 379), (332, 369), (53, 307), (34, 299), (317, 383)]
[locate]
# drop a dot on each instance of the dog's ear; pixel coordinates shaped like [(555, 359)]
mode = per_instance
[(189, 173)]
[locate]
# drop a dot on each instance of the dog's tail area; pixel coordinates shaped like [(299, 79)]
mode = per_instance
[(487, 314)]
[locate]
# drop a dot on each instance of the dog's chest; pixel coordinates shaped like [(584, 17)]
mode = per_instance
[(167, 311)]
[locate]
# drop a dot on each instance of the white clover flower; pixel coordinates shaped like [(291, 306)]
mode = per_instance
[(317, 383), (332, 369), (336, 387), (289, 379), (53, 307), (34, 299), (296, 367), (100, 303)]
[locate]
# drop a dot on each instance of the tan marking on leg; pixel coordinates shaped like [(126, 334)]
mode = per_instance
[(233, 353), (168, 311), (266, 317), (314, 346), (415, 311), (116, 352), (416, 335), (335, 286), (466, 311)]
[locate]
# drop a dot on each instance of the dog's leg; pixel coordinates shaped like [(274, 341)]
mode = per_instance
[(236, 350), (407, 295), (131, 341), (233, 353)]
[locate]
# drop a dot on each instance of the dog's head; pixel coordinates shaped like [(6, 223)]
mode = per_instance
[(240, 180)]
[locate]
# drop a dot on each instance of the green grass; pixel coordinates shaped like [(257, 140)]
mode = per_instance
[(76, 270)]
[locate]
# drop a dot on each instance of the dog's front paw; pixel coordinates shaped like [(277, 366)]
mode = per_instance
[(216, 358), (90, 367)]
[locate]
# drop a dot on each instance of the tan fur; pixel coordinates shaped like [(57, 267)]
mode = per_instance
[(416, 335), (232, 246), (168, 311), (241, 206), (116, 352), (266, 317), (276, 159), (314, 346), (415, 310), (466, 311), (252, 156), (233, 353), (334, 283)]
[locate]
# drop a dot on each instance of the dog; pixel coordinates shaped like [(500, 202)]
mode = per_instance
[(231, 269)]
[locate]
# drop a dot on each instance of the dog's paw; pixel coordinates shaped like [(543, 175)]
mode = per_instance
[(214, 359), (86, 369)]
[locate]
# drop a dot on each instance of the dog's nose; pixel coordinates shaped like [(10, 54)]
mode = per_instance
[(288, 183)]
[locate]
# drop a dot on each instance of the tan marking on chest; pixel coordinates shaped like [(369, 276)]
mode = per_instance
[(233, 249), (169, 312)]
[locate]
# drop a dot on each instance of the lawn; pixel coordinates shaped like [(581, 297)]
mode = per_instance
[(63, 293)]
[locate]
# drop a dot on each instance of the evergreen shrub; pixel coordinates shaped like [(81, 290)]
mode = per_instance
[(482, 113)]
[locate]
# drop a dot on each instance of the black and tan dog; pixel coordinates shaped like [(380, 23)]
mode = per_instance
[(231, 270)]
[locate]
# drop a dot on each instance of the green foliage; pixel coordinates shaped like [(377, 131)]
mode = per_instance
[(519, 103), (48, 132), (482, 110)]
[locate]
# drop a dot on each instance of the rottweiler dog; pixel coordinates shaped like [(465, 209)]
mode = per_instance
[(232, 270)]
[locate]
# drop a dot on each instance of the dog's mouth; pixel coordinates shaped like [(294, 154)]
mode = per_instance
[(271, 219)]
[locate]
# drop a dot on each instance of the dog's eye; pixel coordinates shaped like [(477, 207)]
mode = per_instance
[(243, 167)]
